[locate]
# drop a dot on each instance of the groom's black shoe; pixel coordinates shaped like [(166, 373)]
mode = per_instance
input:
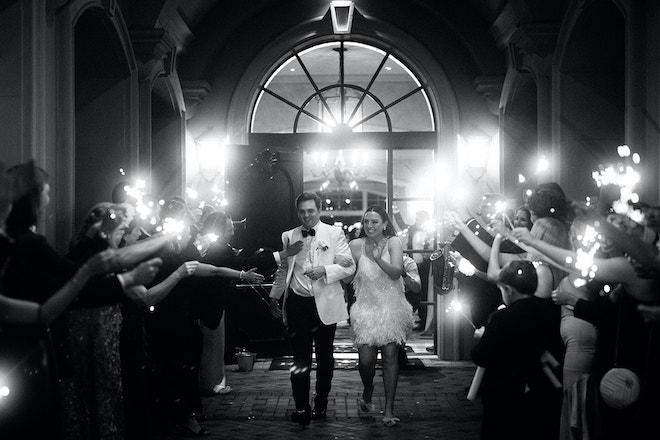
[(318, 413), (302, 417)]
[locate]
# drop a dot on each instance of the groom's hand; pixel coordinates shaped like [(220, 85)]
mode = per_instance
[(315, 272), (343, 260), (275, 308)]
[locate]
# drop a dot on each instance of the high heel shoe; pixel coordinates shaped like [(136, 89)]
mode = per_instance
[(366, 407), (390, 421)]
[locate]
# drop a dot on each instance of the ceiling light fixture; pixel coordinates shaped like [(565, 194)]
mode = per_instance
[(341, 12)]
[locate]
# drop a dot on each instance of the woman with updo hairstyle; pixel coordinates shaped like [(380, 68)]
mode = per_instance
[(549, 200)]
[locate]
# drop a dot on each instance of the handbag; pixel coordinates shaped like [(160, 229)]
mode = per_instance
[(619, 387)]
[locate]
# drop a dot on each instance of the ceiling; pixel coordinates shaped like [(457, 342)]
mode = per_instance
[(210, 30)]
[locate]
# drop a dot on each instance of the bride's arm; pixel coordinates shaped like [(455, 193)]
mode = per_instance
[(394, 268)]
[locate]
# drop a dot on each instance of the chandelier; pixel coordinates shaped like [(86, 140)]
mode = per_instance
[(343, 175)]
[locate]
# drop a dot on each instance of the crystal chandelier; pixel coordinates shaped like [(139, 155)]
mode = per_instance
[(343, 175)]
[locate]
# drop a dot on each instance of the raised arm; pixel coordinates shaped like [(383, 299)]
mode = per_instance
[(394, 267), (494, 259), (483, 249), (477, 243)]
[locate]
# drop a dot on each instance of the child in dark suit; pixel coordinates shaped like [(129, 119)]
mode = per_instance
[(519, 401)]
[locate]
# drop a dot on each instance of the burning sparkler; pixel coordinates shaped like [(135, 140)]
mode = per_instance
[(457, 306)]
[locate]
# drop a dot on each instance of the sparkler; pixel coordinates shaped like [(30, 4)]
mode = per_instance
[(172, 226), (458, 307), (625, 177), (203, 242), (463, 264)]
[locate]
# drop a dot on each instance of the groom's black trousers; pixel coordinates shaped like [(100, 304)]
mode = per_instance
[(303, 327)]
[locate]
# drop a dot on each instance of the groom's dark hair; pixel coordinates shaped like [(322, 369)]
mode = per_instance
[(308, 196)]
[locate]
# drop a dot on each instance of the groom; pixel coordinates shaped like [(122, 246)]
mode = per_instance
[(313, 302)]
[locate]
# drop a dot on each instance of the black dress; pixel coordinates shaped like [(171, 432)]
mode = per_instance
[(173, 348), (35, 271), (26, 359)]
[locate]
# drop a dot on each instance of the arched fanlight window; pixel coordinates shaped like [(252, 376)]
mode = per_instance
[(342, 86)]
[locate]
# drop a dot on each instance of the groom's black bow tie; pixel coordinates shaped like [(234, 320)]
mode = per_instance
[(311, 232)]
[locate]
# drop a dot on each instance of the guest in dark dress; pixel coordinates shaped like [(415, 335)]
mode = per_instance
[(211, 295), (174, 336), (519, 402), (35, 271)]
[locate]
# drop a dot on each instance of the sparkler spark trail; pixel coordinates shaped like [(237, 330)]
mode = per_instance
[(457, 306)]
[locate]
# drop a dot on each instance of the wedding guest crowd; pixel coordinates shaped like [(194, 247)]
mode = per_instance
[(127, 318), (605, 315)]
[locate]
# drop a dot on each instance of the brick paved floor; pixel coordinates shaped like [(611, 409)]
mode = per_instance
[(430, 402)]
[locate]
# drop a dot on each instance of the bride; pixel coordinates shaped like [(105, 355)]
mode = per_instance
[(381, 317)]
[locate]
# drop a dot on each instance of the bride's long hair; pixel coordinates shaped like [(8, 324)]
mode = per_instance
[(389, 229)]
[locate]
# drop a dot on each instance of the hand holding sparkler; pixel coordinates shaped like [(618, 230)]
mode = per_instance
[(252, 277), (522, 235), (463, 265), (452, 219), (144, 273), (187, 269), (203, 242)]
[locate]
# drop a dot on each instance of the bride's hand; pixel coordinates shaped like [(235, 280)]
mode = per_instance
[(374, 251)]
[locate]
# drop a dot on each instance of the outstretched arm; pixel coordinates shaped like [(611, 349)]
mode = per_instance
[(610, 270), (27, 312), (494, 259), (130, 255), (208, 270), (641, 250)]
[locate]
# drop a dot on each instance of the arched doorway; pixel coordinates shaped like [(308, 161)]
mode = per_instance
[(353, 123), (103, 142)]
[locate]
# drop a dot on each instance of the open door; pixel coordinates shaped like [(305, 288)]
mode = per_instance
[(262, 185)]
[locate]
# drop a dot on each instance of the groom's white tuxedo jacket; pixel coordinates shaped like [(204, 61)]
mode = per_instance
[(328, 292)]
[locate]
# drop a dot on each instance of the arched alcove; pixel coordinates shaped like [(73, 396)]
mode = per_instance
[(518, 133), (102, 110), (167, 139), (591, 91)]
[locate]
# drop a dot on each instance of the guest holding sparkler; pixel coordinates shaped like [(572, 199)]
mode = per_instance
[(22, 338), (36, 271), (175, 336), (211, 294), (381, 317), (523, 218), (484, 296), (615, 269), (519, 402), (549, 200)]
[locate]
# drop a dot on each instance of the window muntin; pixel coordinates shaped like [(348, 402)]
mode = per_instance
[(353, 85)]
